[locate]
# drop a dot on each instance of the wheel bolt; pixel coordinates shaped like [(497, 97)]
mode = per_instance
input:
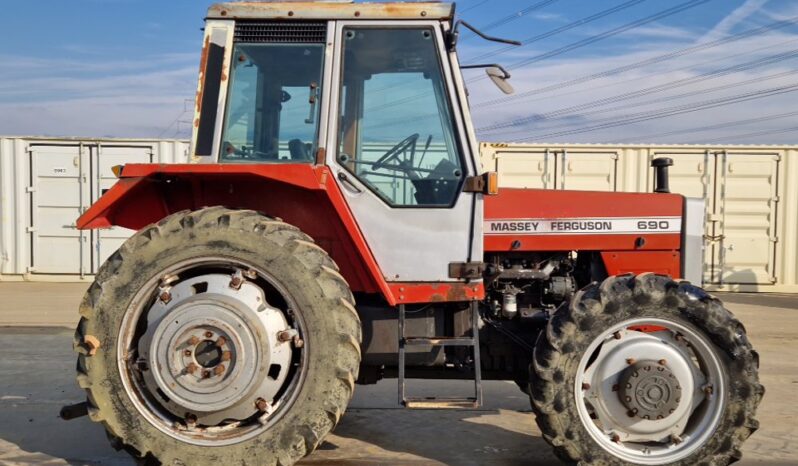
[(585, 386), (226, 356), (187, 353), (663, 362), (631, 361), (165, 297), (193, 341), (615, 437), (191, 419), (206, 374), (617, 335), (208, 334), (218, 370), (298, 342), (632, 412), (191, 368), (708, 390), (221, 341), (285, 335)]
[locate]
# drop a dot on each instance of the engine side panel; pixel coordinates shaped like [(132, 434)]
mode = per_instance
[(518, 220)]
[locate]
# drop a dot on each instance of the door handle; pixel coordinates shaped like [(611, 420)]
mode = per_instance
[(345, 180)]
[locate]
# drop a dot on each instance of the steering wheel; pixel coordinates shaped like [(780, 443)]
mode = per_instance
[(395, 151)]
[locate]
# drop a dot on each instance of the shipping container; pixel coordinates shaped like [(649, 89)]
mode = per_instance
[(45, 184), (751, 195)]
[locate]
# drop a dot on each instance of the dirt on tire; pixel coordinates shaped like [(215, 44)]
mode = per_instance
[(302, 268), (600, 306)]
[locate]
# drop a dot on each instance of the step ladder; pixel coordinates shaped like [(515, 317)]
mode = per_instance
[(440, 402)]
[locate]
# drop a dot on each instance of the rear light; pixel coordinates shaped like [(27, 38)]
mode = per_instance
[(117, 169)]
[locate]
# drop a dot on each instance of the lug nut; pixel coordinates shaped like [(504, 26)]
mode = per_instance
[(206, 374), (236, 282), (631, 361), (218, 370), (226, 356), (208, 334), (187, 353), (191, 419), (221, 341), (298, 342), (708, 390), (193, 341), (617, 335), (615, 437), (585, 386), (165, 297), (285, 335), (191, 368), (663, 362), (632, 412)]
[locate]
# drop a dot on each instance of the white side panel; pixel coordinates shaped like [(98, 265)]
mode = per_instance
[(7, 235), (587, 171), (104, 157), (533, 169), (60, 191), (748, 208)]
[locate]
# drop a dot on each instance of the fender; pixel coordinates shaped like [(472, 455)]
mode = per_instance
[(304, 195)]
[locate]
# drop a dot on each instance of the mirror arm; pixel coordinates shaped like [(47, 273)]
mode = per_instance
[(455, 34), (493, 65)]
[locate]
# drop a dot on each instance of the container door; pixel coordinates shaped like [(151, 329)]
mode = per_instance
[(748, 201), (587, 171), (103, 158), (693, 175), (534, 169), (59, 193)]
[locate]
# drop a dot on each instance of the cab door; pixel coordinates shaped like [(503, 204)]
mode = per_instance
[(398, 150)]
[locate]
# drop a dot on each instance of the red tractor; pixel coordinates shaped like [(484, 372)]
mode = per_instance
[(336, 228)]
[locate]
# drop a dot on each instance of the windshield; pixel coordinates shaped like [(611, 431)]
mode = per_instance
[(396, 131), (273, 103)]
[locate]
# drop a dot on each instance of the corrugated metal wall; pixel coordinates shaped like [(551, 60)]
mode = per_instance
[(44, 186), (751, 232)]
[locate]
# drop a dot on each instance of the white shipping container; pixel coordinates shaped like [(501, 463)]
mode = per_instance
[(46, 183), (751, 194)]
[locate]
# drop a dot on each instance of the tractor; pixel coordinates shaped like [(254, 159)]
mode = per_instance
[(335, 227)]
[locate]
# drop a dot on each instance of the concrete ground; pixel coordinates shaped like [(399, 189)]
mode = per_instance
[(36, 379)]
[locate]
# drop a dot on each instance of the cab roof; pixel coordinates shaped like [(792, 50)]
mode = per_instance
[(331, 9)]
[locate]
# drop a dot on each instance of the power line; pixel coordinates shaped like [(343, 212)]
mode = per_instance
[(561, 29), (513, 17), (649, 61), (652, 90), (725, 125), (671, 111), (476, 5), (755, 134), (598, 37)]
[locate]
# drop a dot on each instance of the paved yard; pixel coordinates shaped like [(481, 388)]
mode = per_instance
[(36, 379)]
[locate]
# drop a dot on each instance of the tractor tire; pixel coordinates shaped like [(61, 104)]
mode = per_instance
[(304, 308), (635, 344)]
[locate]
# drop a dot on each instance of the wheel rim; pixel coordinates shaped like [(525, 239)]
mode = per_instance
[(650, 391), (213, 351)]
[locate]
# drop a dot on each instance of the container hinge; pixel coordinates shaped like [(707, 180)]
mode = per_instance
[(774, 239), (466, 270), (30, 229), (30, 189)]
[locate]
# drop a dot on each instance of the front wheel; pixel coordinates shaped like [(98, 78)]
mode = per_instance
[(645, 370), (218, 337)]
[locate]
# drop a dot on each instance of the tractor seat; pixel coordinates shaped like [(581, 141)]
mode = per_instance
[(300, 150), (439, 186)]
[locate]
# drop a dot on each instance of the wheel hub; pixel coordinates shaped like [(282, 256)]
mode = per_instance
[(213, 350), (649, 390)]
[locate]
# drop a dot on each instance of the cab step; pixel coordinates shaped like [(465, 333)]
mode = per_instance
[(441, 402)]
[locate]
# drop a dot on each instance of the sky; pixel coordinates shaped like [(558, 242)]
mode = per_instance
[(599, 71)]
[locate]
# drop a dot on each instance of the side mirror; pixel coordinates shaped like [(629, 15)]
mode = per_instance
[(501, 79)]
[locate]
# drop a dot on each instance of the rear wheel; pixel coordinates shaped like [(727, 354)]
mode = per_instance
[(218, 336), (645, 370)]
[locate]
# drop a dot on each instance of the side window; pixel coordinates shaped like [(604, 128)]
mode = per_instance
[(273, 104), (396, 128)]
